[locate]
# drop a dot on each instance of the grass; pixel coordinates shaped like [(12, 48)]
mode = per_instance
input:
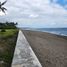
[(7, 46), (9, 32)]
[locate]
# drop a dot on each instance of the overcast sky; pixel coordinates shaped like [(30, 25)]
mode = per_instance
[(36, 13)]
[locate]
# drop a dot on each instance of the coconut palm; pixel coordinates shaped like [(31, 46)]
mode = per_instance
[(3, 8)]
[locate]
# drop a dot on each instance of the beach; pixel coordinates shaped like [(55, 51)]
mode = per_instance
[(50, 49)]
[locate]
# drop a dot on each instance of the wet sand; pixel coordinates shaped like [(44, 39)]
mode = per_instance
[(50, 49)]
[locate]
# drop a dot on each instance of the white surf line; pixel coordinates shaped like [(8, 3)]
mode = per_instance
[(24, 55)]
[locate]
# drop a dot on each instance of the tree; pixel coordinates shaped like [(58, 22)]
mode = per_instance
[(8, 25)]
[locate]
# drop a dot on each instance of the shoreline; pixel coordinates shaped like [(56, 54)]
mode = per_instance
[(50, 49), (61, 34)]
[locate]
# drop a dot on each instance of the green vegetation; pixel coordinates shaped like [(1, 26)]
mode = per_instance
[(7, 46), (3, 30), (8, 33), (8, 38), (8, 25)]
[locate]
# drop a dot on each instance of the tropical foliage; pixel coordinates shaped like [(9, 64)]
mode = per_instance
[(8, 25)]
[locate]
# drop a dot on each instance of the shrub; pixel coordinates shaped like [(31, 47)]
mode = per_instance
[(3, 30)]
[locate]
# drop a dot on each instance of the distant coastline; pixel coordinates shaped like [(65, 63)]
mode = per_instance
[(57, 31)]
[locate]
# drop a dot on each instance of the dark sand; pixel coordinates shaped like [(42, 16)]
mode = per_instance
[(50, 49)]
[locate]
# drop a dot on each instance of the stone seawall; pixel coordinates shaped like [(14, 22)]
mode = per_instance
[(24, 55)]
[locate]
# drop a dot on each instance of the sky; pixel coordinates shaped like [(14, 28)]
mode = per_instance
[(36, 13)]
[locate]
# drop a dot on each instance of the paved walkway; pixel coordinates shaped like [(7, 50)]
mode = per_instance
[(24, 55)]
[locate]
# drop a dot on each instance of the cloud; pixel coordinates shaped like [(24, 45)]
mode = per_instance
[(33, 16), (45, 12), (62, 3), (28, 7), (1, 13)]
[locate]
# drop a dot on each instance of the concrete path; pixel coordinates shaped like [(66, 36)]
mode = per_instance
[(24, 55)]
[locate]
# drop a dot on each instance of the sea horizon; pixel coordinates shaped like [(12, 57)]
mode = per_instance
[(58, 31)]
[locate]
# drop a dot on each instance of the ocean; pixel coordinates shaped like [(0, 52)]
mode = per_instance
[(58, 31)]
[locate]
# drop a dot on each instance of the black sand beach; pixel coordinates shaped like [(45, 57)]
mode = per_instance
[(50, 49)]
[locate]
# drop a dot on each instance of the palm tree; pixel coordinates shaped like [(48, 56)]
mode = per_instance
[(3, 8)]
